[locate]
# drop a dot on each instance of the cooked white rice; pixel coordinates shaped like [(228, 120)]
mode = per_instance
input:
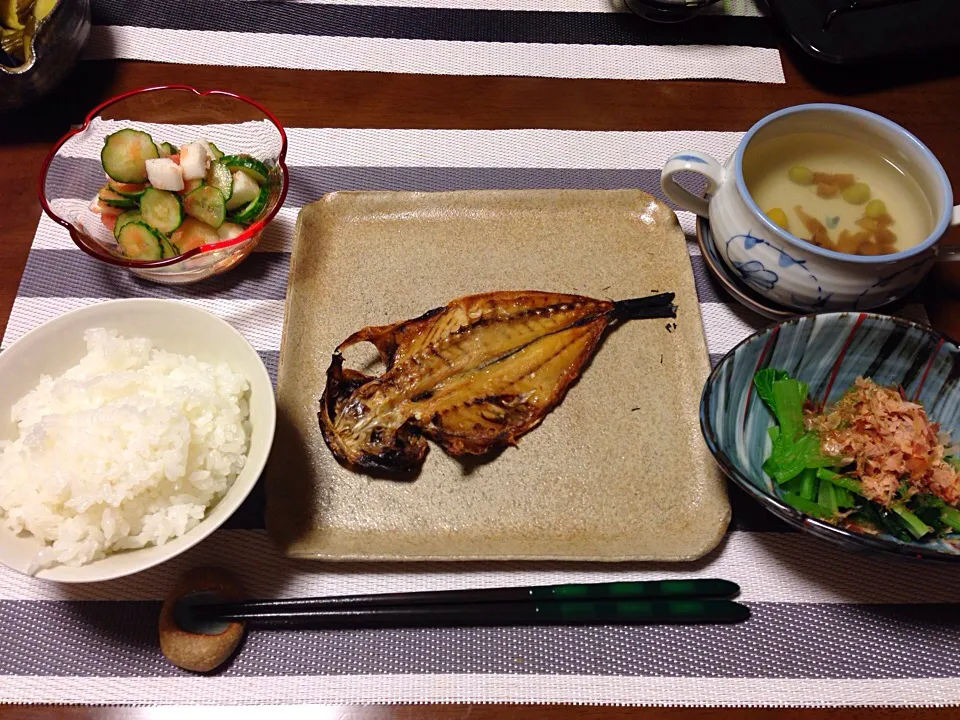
[(128, 448)]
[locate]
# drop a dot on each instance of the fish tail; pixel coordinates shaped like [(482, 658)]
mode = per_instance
[(652, 306)]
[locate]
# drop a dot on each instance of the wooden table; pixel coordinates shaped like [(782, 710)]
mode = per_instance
[(928, 107)]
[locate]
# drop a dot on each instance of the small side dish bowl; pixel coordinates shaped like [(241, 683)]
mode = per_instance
[(173, 326), (72, 173), (828, 352)]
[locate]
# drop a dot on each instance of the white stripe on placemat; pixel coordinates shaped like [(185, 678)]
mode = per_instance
[(475, 688), (414, 148), (435, 57), (770, 567), (688, 223), (521, 148), (261, 321)]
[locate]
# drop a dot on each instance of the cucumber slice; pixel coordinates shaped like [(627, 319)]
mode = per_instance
[(251, 210), (167, 248), (247, 165), (161, 209), (206, 204), (220, 177), (130, 190), (101, 208), (190, 185), (128, 217), (109, 197), (215, 151), (139, 241), (167, 149), (125, 154), (193, 233)]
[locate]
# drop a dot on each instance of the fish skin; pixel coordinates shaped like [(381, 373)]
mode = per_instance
[(473, 375)]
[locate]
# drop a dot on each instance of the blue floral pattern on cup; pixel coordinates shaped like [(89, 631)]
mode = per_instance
[(754, 272)]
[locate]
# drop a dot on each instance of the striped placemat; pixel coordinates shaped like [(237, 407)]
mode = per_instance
[(546, 38), (828, 627)]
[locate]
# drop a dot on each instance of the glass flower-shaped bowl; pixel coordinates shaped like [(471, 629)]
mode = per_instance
[(72, 174)]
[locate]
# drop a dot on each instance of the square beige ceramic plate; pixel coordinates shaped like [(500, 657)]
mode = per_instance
[(618, 471)]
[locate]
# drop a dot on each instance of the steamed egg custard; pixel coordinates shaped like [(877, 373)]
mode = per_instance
[(838, 193)]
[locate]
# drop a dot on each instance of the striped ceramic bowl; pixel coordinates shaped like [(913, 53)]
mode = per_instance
[(828, 352)]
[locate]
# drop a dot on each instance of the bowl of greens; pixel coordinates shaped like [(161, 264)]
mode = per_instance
[(845, 425)]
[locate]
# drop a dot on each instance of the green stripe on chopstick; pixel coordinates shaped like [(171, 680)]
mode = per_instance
[(647, 589)]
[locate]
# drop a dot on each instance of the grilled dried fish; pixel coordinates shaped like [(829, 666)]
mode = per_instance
[(473, 376)]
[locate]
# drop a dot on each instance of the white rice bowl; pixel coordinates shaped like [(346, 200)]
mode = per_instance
[(128, 448)]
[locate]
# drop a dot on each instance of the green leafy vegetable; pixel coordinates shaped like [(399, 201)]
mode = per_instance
[(793, 449), (950, 516), (891, 522), (845, 498), (788, 398), (868, 515), (827, 498), (915, 526), (794, 485), (763, 382), (841, 481), (808, 484), (931, 516), (927, 500), (788, 459), (805, 506)]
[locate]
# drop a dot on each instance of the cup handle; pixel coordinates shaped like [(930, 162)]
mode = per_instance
[(951, 252), (691, 161)]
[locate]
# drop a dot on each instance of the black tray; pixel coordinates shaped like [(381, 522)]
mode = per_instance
[(857, 31)]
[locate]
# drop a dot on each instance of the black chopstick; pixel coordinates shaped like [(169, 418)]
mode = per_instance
[(573, 612), (612, 602)]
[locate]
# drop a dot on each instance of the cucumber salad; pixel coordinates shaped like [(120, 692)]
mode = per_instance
[(161, 201)]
